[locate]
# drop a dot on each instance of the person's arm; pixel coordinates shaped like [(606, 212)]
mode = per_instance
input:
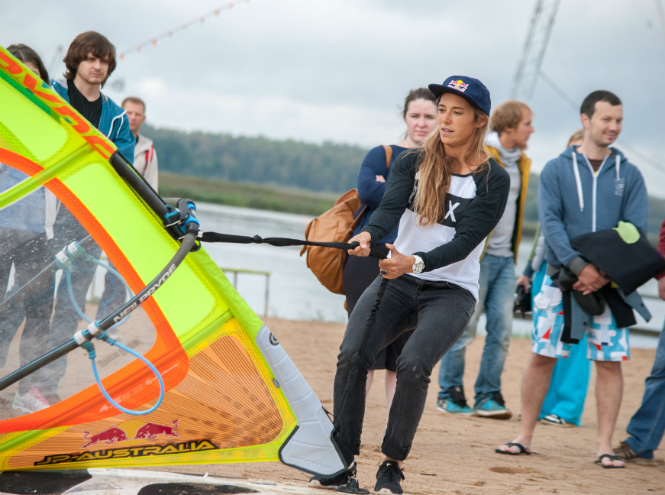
[(636, 209), (661, 250), (124, 139), (550, 213), (370, 190), (528, 269), (150, 174), (400, 186), (478, 220)]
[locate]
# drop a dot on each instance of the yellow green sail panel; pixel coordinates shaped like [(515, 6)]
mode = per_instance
[(232, 393)]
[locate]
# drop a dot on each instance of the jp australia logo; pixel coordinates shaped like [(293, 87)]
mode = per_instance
[(459, 85), (130, 433), (619, 186), (129, 452)]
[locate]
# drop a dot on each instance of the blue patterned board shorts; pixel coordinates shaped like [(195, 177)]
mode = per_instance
[(605, 342)]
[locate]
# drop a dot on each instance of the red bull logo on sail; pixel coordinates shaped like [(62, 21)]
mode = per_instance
[(112, 435), (130, 431), (459, 85), (151, 430)]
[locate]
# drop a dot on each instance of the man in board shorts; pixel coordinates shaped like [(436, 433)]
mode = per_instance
[(586, 189)]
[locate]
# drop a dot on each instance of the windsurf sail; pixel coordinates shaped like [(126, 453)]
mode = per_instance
[(231, 392)]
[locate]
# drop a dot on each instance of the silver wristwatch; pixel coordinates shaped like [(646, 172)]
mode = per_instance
[(419, 265)]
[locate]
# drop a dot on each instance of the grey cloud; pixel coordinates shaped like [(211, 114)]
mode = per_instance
[(356, 61)]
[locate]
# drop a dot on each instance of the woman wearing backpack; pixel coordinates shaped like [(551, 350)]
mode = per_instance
[(419, 115), (446, 197)]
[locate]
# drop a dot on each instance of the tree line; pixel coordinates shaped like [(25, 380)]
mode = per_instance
[(328, 167)]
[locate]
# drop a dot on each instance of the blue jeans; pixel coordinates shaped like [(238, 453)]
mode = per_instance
[(647, 425), (408, 303), (497, 296)]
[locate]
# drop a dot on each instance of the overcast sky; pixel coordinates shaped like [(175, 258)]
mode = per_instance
[(338, 70)]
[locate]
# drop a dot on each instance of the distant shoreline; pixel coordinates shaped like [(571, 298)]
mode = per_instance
[(261, 197)]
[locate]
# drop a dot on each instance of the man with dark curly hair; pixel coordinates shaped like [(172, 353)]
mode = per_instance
[(90, 61)]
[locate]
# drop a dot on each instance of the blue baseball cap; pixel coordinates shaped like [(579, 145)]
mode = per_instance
[(472, 90)]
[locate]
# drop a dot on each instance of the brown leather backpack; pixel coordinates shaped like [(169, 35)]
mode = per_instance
[(336, 224)]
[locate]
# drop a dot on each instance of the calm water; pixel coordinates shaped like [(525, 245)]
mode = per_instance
[(295, 293)]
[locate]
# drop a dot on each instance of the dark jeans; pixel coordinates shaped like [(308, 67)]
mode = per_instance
[(438, 312), (359, 273), (647, 426), (497, 296), (29, 253)]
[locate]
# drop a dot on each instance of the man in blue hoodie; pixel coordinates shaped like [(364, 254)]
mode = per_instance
[(89, 61), (585, 189)]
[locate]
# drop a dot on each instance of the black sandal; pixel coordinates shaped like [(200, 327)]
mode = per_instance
[(611, 458), (513, 444)]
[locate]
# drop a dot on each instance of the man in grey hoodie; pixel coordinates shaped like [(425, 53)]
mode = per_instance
[(585, 189)]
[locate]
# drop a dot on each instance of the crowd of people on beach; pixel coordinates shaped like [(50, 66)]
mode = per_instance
[(37, 227), (446, 206)]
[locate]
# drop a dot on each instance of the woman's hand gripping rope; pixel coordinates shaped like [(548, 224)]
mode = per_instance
[(397, 265)]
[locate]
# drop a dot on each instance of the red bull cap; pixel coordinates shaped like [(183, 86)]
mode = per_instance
[(468, 88)]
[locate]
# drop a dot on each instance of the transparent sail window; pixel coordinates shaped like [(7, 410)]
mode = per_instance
[(42, 304)]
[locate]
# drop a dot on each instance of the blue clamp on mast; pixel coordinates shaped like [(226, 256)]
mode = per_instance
[(181, 218)]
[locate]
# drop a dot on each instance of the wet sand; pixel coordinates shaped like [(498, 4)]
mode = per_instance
[(456, 454)]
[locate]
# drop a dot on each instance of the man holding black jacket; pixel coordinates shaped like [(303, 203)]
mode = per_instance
[(585, 189)]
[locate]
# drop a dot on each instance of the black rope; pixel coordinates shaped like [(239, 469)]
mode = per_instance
[(280, 242)]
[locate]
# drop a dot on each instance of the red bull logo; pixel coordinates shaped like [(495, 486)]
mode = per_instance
[(150, 431), (129, 431), (459, 85), (112, 435)]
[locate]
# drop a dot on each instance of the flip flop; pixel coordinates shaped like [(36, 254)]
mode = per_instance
[(611, 458), (513, 444)]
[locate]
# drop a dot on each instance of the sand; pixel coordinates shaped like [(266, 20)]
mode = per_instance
[(456, 454)]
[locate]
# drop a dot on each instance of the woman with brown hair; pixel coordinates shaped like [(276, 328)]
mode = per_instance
[(419, 114), (446, 196)]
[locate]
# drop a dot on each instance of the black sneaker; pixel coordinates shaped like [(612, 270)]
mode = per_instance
[(332, 482), (388, 478)]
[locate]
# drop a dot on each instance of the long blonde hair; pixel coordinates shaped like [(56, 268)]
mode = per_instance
[(436, 172)]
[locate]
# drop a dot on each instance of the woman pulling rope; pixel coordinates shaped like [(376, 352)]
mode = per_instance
[(446, 196)]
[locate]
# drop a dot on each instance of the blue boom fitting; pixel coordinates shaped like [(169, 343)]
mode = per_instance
[(181, 218)]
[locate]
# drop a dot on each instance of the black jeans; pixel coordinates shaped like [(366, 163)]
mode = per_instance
[(30, 253), (438, 312)]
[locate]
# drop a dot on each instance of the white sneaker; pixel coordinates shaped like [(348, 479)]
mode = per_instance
[(30, 402), (554, 420)]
